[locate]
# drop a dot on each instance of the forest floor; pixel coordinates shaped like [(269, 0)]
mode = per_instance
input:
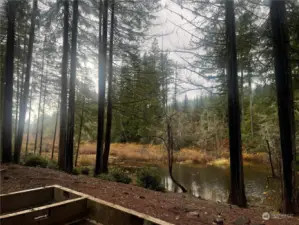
[(171, 207)]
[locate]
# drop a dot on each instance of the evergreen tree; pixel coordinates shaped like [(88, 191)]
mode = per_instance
[(285, 105), (109, 105), (71, 102), (102, 81), (8, 88), (237, 189), (63, 97), (25, 94)]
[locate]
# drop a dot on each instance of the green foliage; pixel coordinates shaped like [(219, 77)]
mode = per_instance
[(105, 176), (76, 171), (149, 178), (52, 165), (36, 161), (141, 95), (120, 176), (85, 170), (81, 170), (116, 175)]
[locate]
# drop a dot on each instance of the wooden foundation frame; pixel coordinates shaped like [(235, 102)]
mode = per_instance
[(59, 205)]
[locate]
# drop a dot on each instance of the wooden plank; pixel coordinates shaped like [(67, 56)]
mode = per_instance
[(84, 222), (26, 199), (62, 195), (57, 213), (111, 214)]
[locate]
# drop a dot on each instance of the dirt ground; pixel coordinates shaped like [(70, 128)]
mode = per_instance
[(171, 207)]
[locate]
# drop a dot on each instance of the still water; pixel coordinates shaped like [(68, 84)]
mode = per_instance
[(212, 183)]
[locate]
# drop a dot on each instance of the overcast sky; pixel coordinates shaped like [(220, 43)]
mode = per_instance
[(174, 37)]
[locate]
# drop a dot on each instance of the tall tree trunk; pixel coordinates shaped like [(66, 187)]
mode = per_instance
[(17, 96), (24, 100), (102, 79), (250, 100), (8, 87), (43, 118), (28, 127), (270, 159), (71, 112), (1, 96), (18, 84), (63, 102), (80, 131), (54, 135), (170, 149), (109, 104), (285, 104), (237, 189), (39, 101), (123, 130), (242, 89), (24, 63), (175, 88)]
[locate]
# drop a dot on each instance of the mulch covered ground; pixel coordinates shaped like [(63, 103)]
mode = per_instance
[(171, 207)]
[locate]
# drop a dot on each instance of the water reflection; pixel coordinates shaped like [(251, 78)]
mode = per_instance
[(213, 183)]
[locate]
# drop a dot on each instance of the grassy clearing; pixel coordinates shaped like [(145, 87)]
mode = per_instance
[(156, 154), (222, 162), (132, 152), (138, 154)]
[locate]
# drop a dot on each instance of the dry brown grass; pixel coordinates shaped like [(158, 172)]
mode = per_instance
[(157, 154), (86, 160), (193, 156), (138, 153), (145, 153), (259, 157)]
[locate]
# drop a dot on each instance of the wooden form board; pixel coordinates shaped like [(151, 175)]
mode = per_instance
[(67, 206), (20, 200), (32, 198), (108, 213), (57, 213)]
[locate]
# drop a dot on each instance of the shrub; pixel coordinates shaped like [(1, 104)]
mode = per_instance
[(85, 170), (116, 175), (52, 165), (76, 171), (149, 178), (105, 176), (35, 161), (120, 176)]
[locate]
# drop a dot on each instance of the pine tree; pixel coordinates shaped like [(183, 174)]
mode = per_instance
[(102, 81), (109, 105), (237, 189), (29, 120), (63, 96), (40, 96), (24, 99), (71, 109), (186, 104), (43, 115), (285, 105), (8, 88)]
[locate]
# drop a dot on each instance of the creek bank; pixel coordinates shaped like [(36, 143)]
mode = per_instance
[(172, 207)]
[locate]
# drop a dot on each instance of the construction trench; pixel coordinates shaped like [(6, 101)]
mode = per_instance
[(59, 205)]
